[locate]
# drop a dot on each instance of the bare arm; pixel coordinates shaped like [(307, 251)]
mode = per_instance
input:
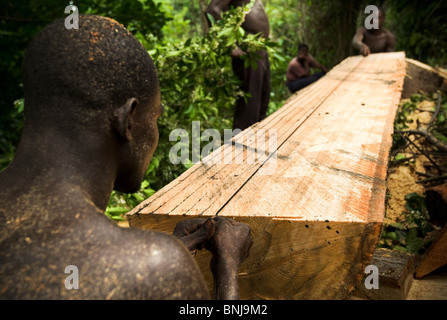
[(357, 42), (322, 68), (315, 64), (230, 246), (391, 42), (194, 233), (229, 242)]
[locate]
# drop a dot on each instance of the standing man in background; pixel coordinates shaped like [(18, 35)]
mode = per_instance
[(374, 40), (255, 81)]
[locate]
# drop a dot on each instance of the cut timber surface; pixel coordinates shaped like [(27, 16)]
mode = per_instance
[(421, 77), (396, 271), (315, 199)]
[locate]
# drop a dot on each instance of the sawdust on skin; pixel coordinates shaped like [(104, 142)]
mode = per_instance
[(402, 179)]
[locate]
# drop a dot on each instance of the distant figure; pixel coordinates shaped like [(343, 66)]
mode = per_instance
[(374, 40), (255, 81), (298, 72), (92, 100)]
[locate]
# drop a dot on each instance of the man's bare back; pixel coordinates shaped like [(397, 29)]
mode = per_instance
[(39, 241), (90, 128)]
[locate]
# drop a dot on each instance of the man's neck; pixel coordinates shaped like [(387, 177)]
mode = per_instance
[(302, 63), (375, 32), (60, 159)]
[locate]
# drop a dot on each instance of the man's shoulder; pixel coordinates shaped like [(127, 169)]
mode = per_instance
[(361, 30), (293, 62), (160, 261), (113, 262), (389, 34), (149, 246)]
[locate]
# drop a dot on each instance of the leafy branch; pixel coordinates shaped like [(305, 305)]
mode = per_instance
[(428, 139), (409, 236)]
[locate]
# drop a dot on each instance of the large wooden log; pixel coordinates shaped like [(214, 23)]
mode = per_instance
[(315, 203)]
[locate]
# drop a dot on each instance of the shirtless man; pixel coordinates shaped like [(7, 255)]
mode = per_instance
[(298, 71), (255, 81), (92, 101), (374, 40)]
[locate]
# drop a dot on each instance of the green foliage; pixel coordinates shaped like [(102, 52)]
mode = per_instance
[(196, 80), (409, 236), (402, 117), (401, 123), (420, 28), (9, 135), (185, 19), (120, 203), (439, 127)]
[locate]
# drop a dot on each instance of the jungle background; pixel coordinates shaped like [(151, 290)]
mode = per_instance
[(194, 67)]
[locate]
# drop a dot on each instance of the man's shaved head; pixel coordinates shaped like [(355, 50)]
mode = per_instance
[(97, 80), (96, 67)]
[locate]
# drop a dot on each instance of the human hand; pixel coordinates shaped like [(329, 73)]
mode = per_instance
[(365, 50), (237, 53), (230, 244), (194, 233)]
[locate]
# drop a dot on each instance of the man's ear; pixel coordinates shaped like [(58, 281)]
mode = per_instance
[(123, 119)]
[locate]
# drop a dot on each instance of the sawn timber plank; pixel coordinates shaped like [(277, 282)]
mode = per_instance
[(315, 202)]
